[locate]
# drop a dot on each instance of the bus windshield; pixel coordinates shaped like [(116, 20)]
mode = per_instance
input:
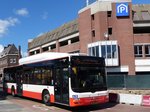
[(88, 75)]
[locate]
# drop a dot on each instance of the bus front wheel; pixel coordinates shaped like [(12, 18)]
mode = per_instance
[(46, 98)]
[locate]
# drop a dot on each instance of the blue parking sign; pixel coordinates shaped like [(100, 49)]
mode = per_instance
[(122, 9)]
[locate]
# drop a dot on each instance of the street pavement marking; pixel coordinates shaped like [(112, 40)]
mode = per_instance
[(44, 107), (51, 107), (40, 107)]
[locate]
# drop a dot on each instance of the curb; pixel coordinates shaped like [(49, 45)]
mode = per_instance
[(131, 99)]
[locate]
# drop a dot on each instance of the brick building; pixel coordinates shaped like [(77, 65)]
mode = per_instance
[(9, 57), (116, 30)]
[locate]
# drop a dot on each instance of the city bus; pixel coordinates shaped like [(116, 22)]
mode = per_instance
[(61, 78)]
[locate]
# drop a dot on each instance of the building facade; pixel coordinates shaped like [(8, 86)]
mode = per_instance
[(116, 30), (9, 57)]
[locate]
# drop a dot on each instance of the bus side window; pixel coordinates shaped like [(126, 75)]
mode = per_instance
[(25, 79), (12, 77), (46, 76), (31, 77), (6, 77), (65, 76), (38, 78)]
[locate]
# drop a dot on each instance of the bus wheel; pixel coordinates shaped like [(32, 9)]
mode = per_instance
[(13, 92), (46, 98)]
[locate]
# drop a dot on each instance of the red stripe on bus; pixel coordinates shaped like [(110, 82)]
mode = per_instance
[(34, 95), (88, 101), (9, 90), (52, 98)]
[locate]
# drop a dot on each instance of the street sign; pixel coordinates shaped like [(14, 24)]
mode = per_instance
[(122, 9)]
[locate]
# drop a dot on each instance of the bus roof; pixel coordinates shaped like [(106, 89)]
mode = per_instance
[(44, 56)]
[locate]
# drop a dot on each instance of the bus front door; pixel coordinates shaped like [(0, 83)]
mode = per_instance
[(62, 85), (19, 82)]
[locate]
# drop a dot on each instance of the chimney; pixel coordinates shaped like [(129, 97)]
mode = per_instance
[(9, 45), (19, 51)]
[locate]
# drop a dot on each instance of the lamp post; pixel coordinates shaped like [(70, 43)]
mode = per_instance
[(87, 2)]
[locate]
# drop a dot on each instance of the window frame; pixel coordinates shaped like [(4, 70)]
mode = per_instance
[(138, 52), (147, 54)]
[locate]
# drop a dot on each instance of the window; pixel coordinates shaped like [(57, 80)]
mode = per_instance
[(77, 51), (93, 33), (38, 76), (135, 16), (145, 15), (6, 78), (32, 53), (109, 51), (147, 50), (109, 13), (12, 60), (92, 17), (94, 51), (26, 75), (141, 30), (105, 49), (53, 46), (37, 51), (138, 50), (74, 40), (114, 51), (109, 31), (63, 43), (46, 77), (45, 49), (10, 76)]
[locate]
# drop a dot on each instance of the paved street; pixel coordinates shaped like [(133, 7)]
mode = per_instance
[(17, 104)]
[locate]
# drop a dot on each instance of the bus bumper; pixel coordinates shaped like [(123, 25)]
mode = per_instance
[(88, 101)]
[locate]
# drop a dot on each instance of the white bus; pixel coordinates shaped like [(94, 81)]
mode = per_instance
[(62, 78)]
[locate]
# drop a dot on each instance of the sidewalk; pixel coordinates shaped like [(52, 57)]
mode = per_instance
[(132, 99)]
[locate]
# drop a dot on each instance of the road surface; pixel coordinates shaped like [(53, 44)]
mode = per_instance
[(18, 104)]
